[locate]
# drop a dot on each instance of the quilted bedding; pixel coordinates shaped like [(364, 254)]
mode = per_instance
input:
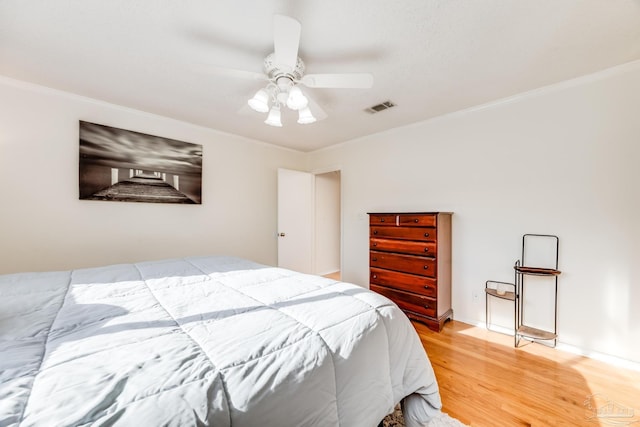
[(205, 341)]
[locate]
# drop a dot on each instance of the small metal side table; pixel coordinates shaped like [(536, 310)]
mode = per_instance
[(502, 290), (522, 271)]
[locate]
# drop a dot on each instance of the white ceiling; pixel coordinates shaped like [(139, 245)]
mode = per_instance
[(429, 57)]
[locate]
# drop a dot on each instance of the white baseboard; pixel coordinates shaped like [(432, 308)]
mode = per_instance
[(606, 358)]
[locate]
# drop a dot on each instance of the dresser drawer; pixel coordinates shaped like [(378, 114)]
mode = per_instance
[(422, 285), (417, 220), (408, 301), (383, 219), (424, 266), (405, 246), (405, 233)]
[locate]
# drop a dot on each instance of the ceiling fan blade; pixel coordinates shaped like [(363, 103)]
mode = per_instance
[(342, 81), (232, 72), (286, 39)]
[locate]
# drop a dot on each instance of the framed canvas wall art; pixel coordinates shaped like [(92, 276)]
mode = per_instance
[(126, 166)]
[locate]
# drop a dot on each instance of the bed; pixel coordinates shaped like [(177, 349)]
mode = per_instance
[(205, 341)]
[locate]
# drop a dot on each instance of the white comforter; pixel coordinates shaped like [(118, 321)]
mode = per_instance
[(205, 341)]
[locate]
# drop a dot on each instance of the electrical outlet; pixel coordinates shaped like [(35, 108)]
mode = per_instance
[(475, 297)]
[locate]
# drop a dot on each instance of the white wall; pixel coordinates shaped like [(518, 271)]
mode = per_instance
[(44, 226), (562, 160)]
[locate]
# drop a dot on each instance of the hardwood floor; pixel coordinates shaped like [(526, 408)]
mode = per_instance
[(335, 276), (485, 381)]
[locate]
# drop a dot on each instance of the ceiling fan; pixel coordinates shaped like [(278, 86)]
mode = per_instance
[(285, 71)]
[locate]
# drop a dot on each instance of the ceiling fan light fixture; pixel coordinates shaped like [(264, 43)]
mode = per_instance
[(274, 118), (305, 117), (260, 101), (282, 97), (296, 99), (285, 71)]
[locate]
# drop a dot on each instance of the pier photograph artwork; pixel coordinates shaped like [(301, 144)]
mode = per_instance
[(126, 166)]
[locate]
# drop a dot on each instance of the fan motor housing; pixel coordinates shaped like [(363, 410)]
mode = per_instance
[(275, 71)]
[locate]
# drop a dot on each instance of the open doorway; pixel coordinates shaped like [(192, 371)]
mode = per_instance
[(328, 220), (310, 222)]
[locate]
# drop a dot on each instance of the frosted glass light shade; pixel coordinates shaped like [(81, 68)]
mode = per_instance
[(305, 117), (296, 99), (274, 117), (260, 101)]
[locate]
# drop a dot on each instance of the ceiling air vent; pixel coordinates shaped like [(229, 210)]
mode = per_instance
[(380, 107)]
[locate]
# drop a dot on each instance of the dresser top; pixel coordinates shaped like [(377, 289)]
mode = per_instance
[(408, 213)]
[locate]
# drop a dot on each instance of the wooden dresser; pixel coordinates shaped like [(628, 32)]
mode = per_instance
[(410, 263)]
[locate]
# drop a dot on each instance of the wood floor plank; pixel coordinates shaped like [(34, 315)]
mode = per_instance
[(485, 381)]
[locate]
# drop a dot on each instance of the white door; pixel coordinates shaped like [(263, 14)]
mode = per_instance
[(295, 220)]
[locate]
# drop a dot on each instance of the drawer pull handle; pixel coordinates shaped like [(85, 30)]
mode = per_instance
[(426, 249), (375, 276), (426, 234), (382, 220), (375, 244), (426, 286), (375, 259), (415, 220), (426, 306), (426, 267), (375, 231)]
